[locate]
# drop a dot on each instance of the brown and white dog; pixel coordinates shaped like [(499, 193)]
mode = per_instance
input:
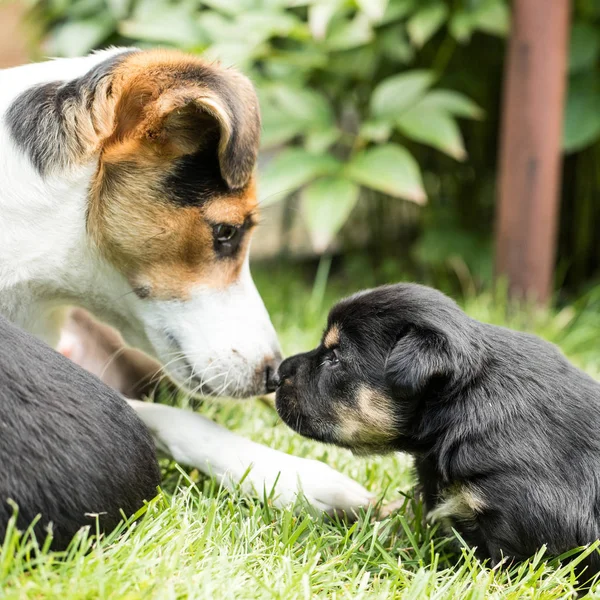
[(128, 189)]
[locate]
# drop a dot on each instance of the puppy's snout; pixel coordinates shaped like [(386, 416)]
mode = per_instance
[(270, 371), (287, 369)]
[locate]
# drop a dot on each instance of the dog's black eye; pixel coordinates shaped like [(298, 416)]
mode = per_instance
[(225, 233), (226, 239)]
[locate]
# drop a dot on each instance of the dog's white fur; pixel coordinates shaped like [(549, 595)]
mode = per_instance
[(47, 263)]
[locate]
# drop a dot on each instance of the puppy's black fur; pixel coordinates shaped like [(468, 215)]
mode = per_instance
[(504, 430), (69, 445)]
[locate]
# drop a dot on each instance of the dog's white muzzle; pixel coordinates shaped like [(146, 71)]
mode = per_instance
[(218, 343)]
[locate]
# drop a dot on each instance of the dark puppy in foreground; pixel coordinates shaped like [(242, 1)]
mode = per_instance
[(504, 430), (70, 446)]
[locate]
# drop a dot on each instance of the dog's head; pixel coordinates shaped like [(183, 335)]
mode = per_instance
[(383, 352), (171, 207)]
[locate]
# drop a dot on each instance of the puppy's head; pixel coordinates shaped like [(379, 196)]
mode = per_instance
[(383, 352), (171, 143)]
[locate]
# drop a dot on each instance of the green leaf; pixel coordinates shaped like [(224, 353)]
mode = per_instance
[(394, 45), (584, 46), (321, 140), (251, 28), (357, 64), (389, 169), (236, 53), (326, 205), (489, 16), (433, 127), (303, 104), (320, 15), (493, 17), (80, 10), (582, 113), (423, 25), (119, 8), (396, 10), (396, 93), (290, 170), (461, 26), (350, 34), (376, 131), (77, 38), (277, 126), (288, 111), (264, 24), (159, 22), (292, 62), (179, 30), (216, 25), (374, 9), (452, 102), (230, 7)]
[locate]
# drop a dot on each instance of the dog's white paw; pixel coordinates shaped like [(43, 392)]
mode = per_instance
[(195, 441), (323, 487)]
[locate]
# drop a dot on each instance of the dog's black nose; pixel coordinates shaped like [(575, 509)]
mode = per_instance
[(270, 367), (271, 379)]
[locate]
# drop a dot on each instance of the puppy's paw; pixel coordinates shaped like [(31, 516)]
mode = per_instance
[(323, 487)]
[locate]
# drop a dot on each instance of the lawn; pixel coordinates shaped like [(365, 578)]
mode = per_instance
[(199, 541)]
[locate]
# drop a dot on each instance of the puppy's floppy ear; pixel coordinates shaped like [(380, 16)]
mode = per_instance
[(180, 108), (417, 357)]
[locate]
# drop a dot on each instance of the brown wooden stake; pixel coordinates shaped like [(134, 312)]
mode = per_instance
[(530, 157)]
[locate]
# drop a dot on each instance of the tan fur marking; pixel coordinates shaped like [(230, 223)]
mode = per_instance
[(332, 337), (371, 421), (463, 504), (224, 210)]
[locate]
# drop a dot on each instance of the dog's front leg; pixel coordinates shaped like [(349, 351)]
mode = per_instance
[(197, 442), (101, 350)]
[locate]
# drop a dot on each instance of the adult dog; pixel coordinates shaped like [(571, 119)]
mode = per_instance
[(128, 190), (504, 430)]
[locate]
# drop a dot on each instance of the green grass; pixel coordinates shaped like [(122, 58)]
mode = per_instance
[(199, 541)]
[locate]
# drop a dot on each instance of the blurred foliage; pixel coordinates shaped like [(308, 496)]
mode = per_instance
[(373, 99)]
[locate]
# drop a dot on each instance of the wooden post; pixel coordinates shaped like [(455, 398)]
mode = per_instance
[(530, 156)]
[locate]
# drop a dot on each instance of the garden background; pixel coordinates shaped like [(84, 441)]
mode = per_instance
[(379, 163)]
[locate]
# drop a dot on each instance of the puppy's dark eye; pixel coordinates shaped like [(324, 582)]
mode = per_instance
[(225, 233), (334, 356)]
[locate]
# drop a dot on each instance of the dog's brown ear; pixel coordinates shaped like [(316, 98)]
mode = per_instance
[(180, 108), (417, 358)]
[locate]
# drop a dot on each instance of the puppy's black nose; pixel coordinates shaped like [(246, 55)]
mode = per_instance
[(287, 369)]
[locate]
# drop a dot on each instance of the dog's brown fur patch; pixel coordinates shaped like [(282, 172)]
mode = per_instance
[(161, 106)]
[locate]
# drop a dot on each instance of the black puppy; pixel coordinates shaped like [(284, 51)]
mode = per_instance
[(69, 445), (504, 430)]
